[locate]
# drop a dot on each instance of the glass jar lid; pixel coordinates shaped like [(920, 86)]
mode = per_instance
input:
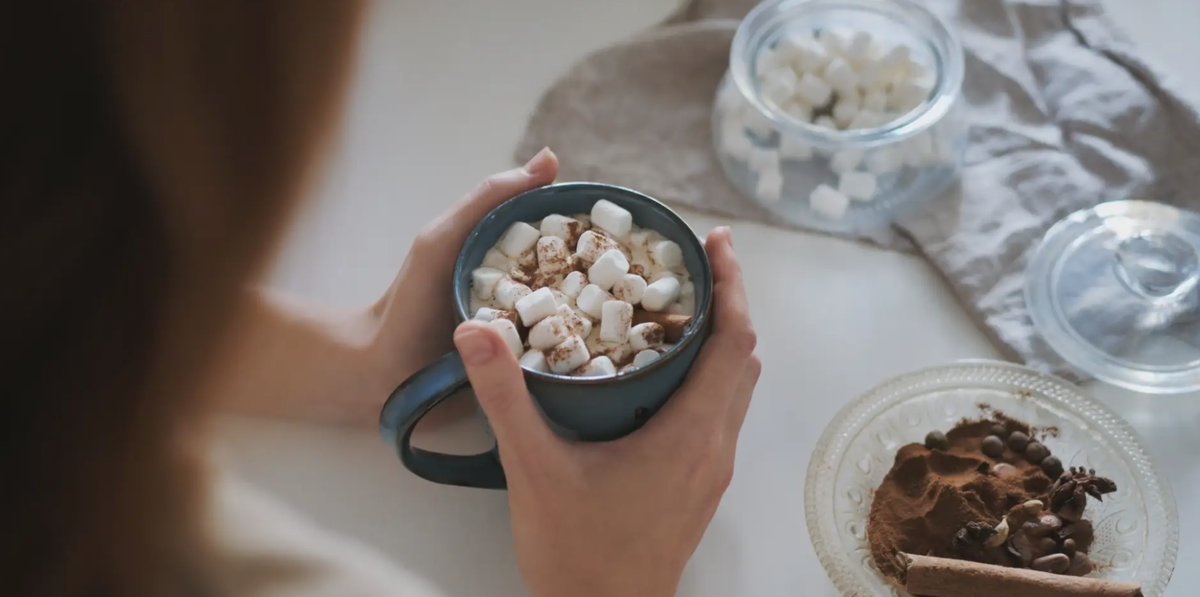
[(1113, 290)]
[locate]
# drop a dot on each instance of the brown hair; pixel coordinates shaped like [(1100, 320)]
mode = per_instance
[(150, 151)]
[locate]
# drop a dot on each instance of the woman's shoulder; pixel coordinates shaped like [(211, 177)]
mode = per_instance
[(268, 549)]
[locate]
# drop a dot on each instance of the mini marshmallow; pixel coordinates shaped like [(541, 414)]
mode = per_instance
[(798, 110), (578, 324), (519, 238), (497, 260), (762, 159), (549, 332), (858, 185), (875, 101), (534, 360), (556, 225), (844, 113), (597, 367), (813, 90), (666, 253), (806, 54), (615, 319), (828, 202), (767, 60), (553, 257), (645, 357), (573, 283), (592, 298), (735, 143), (873, 77), (592, 245), (907, 95), (841, 76), (568, 356), (484, 281), (826, 122), (884, 160), (792, 148), (486, 314), (845, 160), (536, 306), (508, 331), (769, 187), (687, 289), (834, 42), (778, 84), (630, 289), (612, 218), (645, 335), (896, 58), (508, 292), (638, 239), (661, 294), (608, 269), (859, 49)]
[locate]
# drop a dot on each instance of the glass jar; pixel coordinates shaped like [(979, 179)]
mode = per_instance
[(797, 169)]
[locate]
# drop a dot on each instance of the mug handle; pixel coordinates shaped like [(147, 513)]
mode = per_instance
[(411, 401)]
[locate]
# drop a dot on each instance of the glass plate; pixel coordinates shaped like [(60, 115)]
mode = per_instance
[(1137, 531)]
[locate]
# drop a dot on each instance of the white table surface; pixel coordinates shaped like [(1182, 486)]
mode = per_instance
[(443, 92)]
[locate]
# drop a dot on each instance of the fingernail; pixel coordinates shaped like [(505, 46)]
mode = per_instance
[(539, 162), (728, 232), (474, 346)]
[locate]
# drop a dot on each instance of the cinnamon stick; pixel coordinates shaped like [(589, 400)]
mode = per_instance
[(673, 324), (941, 577)]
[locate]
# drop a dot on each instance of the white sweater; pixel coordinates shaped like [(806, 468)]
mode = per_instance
[(276, 552)]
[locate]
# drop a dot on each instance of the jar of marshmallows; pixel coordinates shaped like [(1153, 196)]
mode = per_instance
[(841, 115)]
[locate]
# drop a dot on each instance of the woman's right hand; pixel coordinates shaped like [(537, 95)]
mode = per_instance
[(621, 518)]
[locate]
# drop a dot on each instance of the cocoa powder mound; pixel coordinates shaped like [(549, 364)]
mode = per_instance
[(929, 495)]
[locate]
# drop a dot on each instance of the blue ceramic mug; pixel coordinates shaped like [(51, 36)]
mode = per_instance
[(586, 409)]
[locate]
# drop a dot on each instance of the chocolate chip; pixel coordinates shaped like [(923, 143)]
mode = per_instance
[(1018, 441), (936, 440), (993, 446), (1053, 467), (1035, 453)]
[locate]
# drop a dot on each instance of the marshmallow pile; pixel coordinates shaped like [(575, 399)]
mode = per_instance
[(837, 80), (565, 292)]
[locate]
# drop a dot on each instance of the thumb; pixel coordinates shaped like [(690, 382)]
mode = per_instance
[(499, 385)]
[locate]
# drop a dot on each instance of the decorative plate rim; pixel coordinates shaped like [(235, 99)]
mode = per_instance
[(832, 446)]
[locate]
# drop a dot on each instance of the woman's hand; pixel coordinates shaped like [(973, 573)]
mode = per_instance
[(292, 359), (621, 518), (417, 313)]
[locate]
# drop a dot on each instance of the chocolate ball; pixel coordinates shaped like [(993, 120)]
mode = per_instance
[(1035, 452), (936, 440), (999, 429), (1069, 547), (1018, 441), (993, 446), (1053, 467)]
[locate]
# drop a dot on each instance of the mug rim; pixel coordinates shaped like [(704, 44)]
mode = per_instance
[(700, 319)]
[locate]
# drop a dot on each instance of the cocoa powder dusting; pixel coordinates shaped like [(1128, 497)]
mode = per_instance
[(930, 495)]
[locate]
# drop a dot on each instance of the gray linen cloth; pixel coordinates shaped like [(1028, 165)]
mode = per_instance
[(1064, 114)]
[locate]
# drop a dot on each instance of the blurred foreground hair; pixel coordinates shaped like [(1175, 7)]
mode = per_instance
[(150, 153)]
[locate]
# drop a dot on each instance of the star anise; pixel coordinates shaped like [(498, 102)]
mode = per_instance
[(1068, 495)]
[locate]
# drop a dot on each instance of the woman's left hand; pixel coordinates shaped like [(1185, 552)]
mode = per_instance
[(416, 315)]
